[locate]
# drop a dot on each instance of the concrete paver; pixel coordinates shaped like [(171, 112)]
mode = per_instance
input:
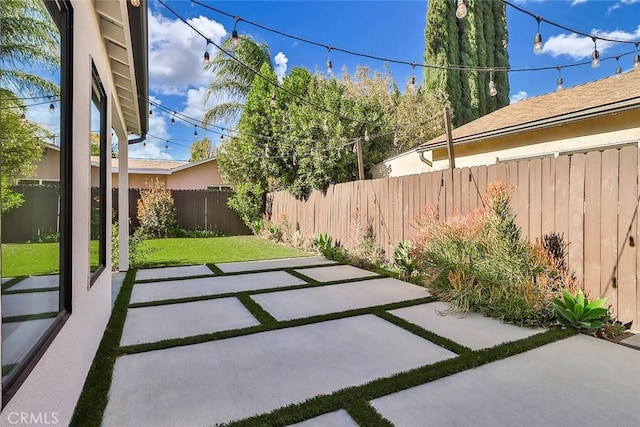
[(173, 289), (30, 303), (339, 418), (235, 267), (117, 279), (151, 324), (37, 282), (18, 338), (577, 381), (472, 330), (6, 279), (172, 272), (298, 303), (633, 341), (223, 380), (336, 272)]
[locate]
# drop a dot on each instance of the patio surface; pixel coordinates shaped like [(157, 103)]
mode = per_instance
[(344, 335)]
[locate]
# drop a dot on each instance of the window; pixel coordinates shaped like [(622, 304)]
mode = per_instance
[(35, 117), (98, 181)]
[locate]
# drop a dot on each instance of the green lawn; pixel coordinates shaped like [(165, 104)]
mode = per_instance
[(214, 249), (28, 259)]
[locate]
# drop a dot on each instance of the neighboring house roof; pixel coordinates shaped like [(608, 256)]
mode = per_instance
[(594, 99), (153, 167)]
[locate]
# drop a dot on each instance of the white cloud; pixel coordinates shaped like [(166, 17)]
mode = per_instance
[(195, 106), (176, 53), (149, 150), (580, 47), (280, 61), (519, 96), (575, 2)]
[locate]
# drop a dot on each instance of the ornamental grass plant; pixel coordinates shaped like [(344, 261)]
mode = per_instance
[(480, 262)]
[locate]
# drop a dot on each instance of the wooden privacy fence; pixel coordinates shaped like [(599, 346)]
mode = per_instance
[(195, 210), (592, 199), (39, 214)]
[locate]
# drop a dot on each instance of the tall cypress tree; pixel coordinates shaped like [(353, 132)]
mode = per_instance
[(475, 41)]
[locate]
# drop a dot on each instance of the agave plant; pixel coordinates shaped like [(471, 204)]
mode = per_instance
[(579, 312)]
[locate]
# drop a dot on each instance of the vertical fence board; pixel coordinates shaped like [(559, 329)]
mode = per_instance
[(535, 199), (457, 191), (522, 200), (448, 195), (609, 228), (548, 195), (465, 191), (474, 173), (562, 196), (483, 180), (592, 195), (576, 216), (492, 173), (627, 223)]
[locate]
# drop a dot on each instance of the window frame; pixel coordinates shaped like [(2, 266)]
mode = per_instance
[(62, 13), (99, 98)]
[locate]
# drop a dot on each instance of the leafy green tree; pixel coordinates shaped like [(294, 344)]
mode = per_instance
[(478, 40), (232, 81), (200, 150), (29, 41)]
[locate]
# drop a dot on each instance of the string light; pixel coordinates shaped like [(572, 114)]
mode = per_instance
[(423, 65), (560, 82), (23, 118), (595, 56), (150, 112), (195, 131), (461, 9), (206, 54), (273, 100), (412, 79), (492, 86), (234, 33), (329, 64), (52, 107), (135, 3), (636, 59), (537, 39), (173, 119), (618, 68)]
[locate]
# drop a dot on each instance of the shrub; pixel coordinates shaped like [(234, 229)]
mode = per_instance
[(137, 252), (580, 313), (480, 262), (156, 210), (323, 243), (45, 238), (198, 234), (363, 249), (257, 226), (403, 259)]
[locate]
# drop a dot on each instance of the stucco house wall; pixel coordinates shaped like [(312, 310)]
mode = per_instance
[(195, 177)]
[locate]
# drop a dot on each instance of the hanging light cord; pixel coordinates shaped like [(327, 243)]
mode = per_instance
[(424, 65)]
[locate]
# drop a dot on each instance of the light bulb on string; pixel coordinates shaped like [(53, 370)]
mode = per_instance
[(144, 145), (173, 119), (618, 68), (52, 108), (166, 146), (234, 34), (595, 56), (135, 3), (412, 80), (636, 59), (206, 54), (23, 118), (329, 63), (150, 112), (195, 131), (273, 100), (537, 39), (492, 86), (560, 82), (461, 9)]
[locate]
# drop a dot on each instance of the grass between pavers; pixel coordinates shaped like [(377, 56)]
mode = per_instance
[(25, 317), (185, 251), (364, 414), (93, 400), (256, 309), (323, 404), (28, 291)]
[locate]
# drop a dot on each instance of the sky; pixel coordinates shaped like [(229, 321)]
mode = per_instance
[(389, 29)]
